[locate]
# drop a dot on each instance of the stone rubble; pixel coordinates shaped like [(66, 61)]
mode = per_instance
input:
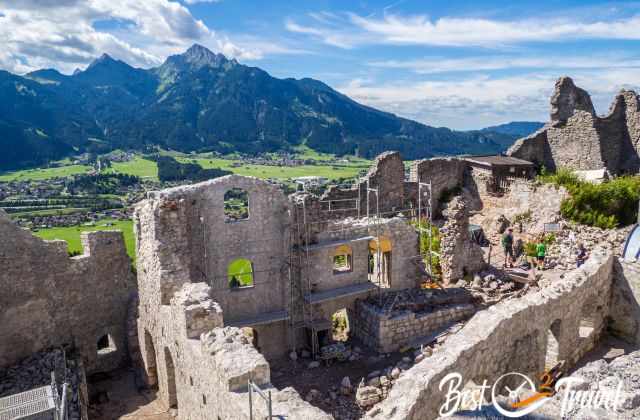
[(35, 371), (562, 253)]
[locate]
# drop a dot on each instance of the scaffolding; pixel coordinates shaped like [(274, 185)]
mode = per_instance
[(302, 295)]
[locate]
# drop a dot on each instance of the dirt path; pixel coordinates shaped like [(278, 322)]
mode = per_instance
[(119, 398)]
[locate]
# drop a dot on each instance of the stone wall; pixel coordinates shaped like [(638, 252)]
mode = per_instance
[(561, 322), (459, 255), (625, 305), (386, 176), (390, 331), (520, 197), (445, 174), (183, 237), (49, 299), (201, 368), (577, 138)]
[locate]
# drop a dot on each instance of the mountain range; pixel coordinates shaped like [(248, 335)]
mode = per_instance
[(202, 101)]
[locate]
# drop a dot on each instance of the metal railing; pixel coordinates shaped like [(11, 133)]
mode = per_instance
[(253, 388)]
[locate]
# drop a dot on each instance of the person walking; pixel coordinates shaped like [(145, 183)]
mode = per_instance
[(507, 245)]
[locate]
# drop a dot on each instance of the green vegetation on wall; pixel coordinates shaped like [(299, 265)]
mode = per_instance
[(608, 205), (423, 228)]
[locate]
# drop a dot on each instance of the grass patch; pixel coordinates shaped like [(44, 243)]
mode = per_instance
[(71, 234), (138, 166), (38, 174), (329, 171)]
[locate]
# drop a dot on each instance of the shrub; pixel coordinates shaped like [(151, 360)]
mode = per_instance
[(530, 249), (562, 177), (435, 246), (607, 205)]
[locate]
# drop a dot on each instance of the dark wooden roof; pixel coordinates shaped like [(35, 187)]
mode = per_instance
[(498, 161)]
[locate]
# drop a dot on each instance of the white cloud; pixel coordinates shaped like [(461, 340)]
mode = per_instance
[(434, 65), (336, 38), (67, 34), (448, 31), (479, 101), (201, 1)]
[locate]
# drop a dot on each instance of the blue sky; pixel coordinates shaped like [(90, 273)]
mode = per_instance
[(461, 64)]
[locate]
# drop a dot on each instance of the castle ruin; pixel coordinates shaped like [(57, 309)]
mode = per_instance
[(247, 299)]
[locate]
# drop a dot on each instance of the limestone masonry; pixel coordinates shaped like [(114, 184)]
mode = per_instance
[(576, 138)]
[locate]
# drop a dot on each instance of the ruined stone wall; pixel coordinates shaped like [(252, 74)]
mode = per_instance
[(183, 237), (578, 139), (403, 240), (49, 299), (459, 255), (391, 331), (387, 176), (522, 196), (513, 336), (625, 303), (201, 368), (445, 174)]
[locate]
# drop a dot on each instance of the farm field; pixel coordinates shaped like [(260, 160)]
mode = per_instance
[(281, 172), (144, 168), (147, 169), (72, 234), (38, 174)]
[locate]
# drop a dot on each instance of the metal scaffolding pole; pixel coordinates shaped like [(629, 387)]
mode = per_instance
[(427, 186)]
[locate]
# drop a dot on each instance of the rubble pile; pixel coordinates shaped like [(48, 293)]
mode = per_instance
[(35, 371), (562, 253), (376, 386), (623, 372)]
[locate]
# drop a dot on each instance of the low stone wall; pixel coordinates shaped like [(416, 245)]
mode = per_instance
[(389, 332), (520, 335), (625, 307)]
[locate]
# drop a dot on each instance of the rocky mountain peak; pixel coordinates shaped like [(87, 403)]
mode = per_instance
[(103, 59), (568, 98), (200, 56)]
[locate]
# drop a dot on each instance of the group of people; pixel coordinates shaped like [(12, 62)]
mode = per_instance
[(540, 254)]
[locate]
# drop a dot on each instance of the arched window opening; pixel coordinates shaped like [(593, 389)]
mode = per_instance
[(240, 273), (236, 205)]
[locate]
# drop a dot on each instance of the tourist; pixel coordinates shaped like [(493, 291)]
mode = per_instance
[(541, 252), (507, 244), (582, 255)]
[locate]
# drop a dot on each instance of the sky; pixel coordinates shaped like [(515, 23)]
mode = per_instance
[(460, 64)]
